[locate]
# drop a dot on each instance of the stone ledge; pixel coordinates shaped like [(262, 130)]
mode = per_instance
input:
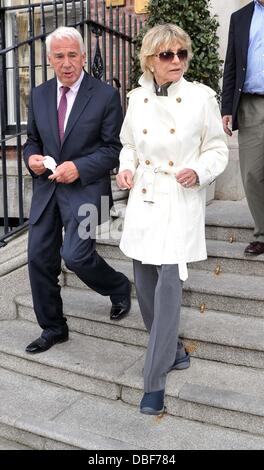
[(111, 425), (107, 369)]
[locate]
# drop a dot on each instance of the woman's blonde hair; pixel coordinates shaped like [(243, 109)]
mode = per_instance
[(163, 35)]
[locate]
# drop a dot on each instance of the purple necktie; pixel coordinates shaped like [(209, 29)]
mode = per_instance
[(62, 110)]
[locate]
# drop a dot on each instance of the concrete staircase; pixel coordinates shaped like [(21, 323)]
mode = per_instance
[(85, 393)]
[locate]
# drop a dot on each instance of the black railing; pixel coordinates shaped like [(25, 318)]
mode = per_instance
[(108, 37)]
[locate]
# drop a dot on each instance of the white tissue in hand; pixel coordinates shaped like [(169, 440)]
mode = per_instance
[(49, 163)]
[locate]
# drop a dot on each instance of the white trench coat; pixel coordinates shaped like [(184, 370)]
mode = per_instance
[(165, 222)]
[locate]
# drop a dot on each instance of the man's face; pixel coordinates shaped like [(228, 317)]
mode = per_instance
[(67, 60)]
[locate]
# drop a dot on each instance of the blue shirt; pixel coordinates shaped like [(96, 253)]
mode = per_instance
[(254, 82)]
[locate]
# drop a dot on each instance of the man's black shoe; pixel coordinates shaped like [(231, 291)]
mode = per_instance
[(120, 309), (254, 249), (43, 344)]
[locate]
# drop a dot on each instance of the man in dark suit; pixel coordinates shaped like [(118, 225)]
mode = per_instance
[(243, 107), (76, 120)]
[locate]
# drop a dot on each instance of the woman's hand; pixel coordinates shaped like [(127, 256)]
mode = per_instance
[(187, 177), (124, 179)]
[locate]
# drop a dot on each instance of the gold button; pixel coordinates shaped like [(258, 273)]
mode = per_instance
[(144, 190), (178, 100), (145, 131), (172, 131), (147, 162), (171, 163), (145, 100)]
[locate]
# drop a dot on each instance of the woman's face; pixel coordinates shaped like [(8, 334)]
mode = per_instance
[(169, 67)]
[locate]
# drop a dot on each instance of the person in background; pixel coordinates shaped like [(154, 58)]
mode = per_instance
[(243, 107), (173, 147)]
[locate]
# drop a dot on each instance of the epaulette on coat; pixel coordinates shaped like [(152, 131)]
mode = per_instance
[(133, 91), (206, 88)]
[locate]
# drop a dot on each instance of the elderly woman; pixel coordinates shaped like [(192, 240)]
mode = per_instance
[(173, 146)]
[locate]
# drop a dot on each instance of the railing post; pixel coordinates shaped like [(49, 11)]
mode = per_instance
[(3, 111)]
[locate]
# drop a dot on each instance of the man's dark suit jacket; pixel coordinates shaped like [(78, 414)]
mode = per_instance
[(91, 141), (236, 61)]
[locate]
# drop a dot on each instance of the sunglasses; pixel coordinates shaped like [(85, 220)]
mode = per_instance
[(168, 56)]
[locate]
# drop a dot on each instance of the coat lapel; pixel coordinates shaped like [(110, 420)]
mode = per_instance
[(244, 28), (52, 110), (83, 97)]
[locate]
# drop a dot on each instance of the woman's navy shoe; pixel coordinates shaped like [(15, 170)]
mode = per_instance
[(181, 363), (153, 403)]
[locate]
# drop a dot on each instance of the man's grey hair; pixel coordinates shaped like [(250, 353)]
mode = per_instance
[(64, 32)]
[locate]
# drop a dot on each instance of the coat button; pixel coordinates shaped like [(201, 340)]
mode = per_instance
[(172, 131), (145, 100), (144, 190), (171, 163), (178, 100), (145, 131), (147, 162)]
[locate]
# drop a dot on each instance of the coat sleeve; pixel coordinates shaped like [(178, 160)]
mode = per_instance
[(229, 77), (128, 156), (33, 144), (105, 158), (213, 157)]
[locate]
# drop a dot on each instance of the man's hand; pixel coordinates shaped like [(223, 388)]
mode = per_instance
[(227, 120), (187, 177), (124, 179), (35, 163), (65, 173)]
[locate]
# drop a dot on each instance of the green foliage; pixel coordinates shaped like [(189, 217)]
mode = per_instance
[(194, 17)]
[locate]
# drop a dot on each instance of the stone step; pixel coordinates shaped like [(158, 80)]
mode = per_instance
[(6, 444), (229, 258), (205, 335), (229, 220), (227, 292), (68, 419), (14, 254), (210, 392), (225, 220)]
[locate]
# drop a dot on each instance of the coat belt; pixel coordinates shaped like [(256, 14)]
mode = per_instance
[(149, 180)]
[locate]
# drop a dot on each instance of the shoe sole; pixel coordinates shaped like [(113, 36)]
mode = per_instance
[(181, 366), (151, 411), (121, 316)]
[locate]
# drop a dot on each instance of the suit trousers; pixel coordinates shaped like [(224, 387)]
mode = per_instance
[(46, 247), (251, 156), (159, 293)]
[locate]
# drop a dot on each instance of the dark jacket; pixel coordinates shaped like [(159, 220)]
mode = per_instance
[(236, 61), (91, 141)]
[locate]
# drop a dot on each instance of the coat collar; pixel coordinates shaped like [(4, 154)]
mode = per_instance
[(83, 96), (244, 28), (51, 103), (146, 81)]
